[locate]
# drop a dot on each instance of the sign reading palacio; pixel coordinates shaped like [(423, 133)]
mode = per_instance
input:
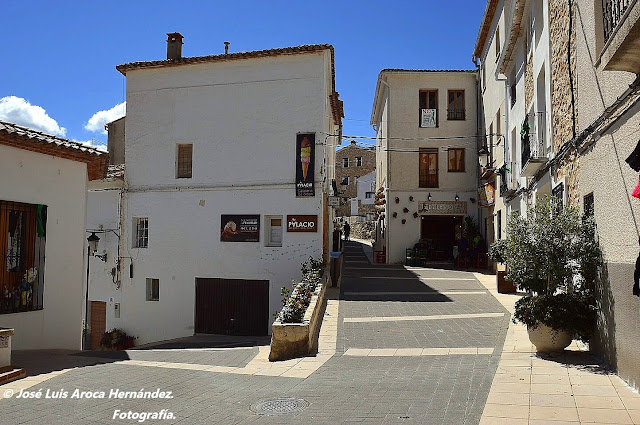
[(443, 208)]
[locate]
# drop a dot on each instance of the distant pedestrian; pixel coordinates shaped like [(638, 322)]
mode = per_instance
[(347, 230)]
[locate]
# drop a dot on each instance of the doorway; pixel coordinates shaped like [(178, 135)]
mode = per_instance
[(440, 232), (232, 306)]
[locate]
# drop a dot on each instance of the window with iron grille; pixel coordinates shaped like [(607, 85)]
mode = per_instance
[(345, 162), (153, 289), (185, 157), (588, 206), (456, 160), (428, 100), (428, 171), (456, 105), (140, 232)]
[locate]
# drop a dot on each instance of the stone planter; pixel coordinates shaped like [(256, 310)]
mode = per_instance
[(291, 340), (5, 346), (548, 340)]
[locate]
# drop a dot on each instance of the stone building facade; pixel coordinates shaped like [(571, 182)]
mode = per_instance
[(352, 162), (581, 89)]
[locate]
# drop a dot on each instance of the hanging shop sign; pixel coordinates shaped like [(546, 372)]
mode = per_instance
[(305, 164), (486, 195), (302, 223), (240, 228), (443, 208), (428, 118)]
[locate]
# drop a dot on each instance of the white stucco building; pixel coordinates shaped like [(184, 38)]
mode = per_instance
[(426, 158), (365, 191), (42, 236), (227, 166)]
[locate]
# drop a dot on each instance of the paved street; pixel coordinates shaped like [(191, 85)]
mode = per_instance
[(418, 346)]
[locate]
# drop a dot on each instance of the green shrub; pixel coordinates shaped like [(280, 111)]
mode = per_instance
[(295, 303)]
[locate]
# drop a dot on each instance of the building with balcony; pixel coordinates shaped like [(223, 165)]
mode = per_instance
[(426, 158), (570, 74)]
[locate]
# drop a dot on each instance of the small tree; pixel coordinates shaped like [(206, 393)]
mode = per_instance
[(554, 254), (550, 249)]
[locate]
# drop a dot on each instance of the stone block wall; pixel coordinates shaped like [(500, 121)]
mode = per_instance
[(351, 152), (561, 107)]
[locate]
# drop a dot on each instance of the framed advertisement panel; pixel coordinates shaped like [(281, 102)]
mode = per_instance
[(305, 164), (239, 228)]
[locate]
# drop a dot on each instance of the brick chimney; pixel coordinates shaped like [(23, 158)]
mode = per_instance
[(174, 45)]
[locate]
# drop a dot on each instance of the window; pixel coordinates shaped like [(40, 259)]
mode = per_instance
[(456, 105), (497, 43), (558, 192), (185, 155), (499, 224), (345, 181), (456, 160), (498, 126), (345, 162), (141, 232), (355, 180), (274, 230), (23, 229), (512, 90), (358, 161), (153, 289), (368, 195), (428, 112), (588, 206), (428, 168)]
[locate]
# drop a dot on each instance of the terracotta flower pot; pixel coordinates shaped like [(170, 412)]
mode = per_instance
[(548, 340)]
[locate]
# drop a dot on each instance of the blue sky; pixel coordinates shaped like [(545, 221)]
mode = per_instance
[(59, 58)]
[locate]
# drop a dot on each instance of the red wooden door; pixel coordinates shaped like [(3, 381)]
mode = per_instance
[(98, 322)]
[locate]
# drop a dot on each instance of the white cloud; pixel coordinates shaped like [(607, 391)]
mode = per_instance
[(99, 119), (93, 143), (19, 111)]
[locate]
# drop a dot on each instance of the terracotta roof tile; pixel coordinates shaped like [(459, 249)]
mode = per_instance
[(25, 138)]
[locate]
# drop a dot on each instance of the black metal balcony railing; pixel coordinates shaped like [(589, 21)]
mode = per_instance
[(455, 114), (612, 12)]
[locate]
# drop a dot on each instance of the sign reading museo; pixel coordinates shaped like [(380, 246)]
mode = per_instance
[(240, 228), (302, 223), (305, 164)]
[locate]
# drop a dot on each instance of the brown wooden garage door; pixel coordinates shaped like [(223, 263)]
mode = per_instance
[(232, 306)]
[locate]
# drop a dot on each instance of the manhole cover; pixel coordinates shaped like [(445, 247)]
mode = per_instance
[(279, 406)]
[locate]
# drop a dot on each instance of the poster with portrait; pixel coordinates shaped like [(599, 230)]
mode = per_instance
[(305, 164), (239, 228)]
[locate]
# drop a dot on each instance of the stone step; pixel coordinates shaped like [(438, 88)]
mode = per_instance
[(11, 373)]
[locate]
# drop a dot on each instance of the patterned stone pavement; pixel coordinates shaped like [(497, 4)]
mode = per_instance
[(428, 357)]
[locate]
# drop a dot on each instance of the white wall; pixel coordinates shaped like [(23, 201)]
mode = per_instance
[(103, 204), (242, 117), (60, 184)]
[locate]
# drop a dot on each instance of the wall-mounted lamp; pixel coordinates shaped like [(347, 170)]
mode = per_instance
[(457, 198), (483, 156), (429, 197), (93, 240)]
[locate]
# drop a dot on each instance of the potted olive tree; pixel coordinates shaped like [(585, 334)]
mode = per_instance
[(553, 254)]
